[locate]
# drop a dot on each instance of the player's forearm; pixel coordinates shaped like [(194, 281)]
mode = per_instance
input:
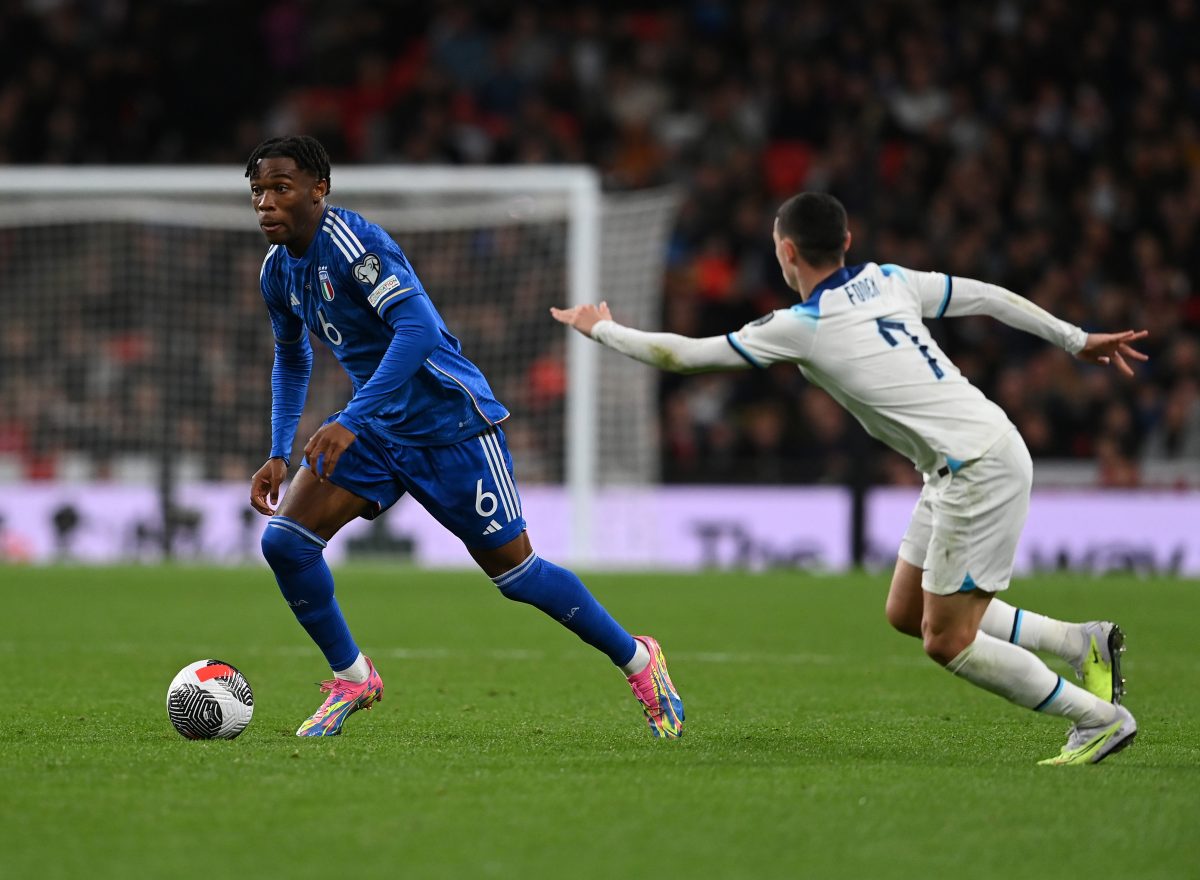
[(669, 351), (971, 297), (417, 335), (289, 387)]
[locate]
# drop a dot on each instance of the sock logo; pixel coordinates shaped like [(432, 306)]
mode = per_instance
[(570, 614), (297, 603)]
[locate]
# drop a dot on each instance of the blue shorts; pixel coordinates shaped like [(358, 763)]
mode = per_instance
[(468, 487)]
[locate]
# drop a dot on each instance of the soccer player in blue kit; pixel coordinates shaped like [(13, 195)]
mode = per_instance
[(422, 420)]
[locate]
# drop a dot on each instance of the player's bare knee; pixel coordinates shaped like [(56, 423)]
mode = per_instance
[(942, 646), (498, 561)]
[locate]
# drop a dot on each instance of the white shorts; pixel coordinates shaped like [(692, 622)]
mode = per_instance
[(965, 528)]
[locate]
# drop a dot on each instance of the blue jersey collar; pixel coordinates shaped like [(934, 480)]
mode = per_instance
[(837, 279)]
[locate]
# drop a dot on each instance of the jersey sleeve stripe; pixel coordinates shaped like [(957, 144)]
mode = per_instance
[(737, 346), (387, 299), (266, 259), (343, 242), (341, 247), (945, 297), (351, 238)]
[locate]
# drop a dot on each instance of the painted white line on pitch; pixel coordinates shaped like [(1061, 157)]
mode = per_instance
[(741, 658), (511, 654)]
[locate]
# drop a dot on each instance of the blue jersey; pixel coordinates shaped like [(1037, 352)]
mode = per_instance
[(348, 289)]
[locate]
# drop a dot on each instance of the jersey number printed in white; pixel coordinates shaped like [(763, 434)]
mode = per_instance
[(885, 330), (485, 498), (331, 333)]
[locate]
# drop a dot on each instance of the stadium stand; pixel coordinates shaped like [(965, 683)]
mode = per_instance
[(1052, 148)]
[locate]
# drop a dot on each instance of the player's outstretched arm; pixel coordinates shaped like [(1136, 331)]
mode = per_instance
[(1113, 348), (968, 296), (667, 351), (583, 318)]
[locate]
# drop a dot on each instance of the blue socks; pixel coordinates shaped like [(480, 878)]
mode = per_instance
[(561, 594), (294, 554)]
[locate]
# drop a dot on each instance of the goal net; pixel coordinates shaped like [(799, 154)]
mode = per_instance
[(135, 344)]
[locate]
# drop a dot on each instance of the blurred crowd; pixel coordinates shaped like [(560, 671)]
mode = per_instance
[(130, 339), (1050, 147)]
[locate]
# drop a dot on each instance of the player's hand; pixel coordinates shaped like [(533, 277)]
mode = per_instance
[(582, 318), (1113, 348), (264, 486), (325, 447)]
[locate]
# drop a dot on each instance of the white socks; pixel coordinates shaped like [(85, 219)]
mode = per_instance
[(1019, 676), (1033, 631), (357, 672), (639, 661)]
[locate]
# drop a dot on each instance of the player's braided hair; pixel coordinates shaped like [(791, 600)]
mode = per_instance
[(816, 222), (305, 150)]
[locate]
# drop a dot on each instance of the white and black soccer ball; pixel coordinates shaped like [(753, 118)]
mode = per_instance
[(210, 699)]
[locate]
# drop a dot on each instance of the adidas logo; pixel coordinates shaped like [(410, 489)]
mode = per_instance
[(492, 528), (295, 301)]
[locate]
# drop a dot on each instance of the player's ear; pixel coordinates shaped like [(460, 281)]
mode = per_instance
[(320, 191), (846, 243), (789, 251)]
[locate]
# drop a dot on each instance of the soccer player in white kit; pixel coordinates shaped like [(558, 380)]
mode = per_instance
[(858, 333)]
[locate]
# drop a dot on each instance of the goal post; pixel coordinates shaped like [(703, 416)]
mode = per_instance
[(136, 347)]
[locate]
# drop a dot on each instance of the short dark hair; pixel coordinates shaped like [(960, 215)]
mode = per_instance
[(305, 150), (816, 222)]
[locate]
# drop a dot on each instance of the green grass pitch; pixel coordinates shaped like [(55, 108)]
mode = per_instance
[(819, 743)]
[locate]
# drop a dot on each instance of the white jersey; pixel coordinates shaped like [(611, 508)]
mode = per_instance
[(861, 337)]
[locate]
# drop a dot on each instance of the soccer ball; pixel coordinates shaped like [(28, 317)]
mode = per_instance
[(210, 699)]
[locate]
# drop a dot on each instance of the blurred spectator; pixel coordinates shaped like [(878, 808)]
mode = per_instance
[(1175, 434)]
